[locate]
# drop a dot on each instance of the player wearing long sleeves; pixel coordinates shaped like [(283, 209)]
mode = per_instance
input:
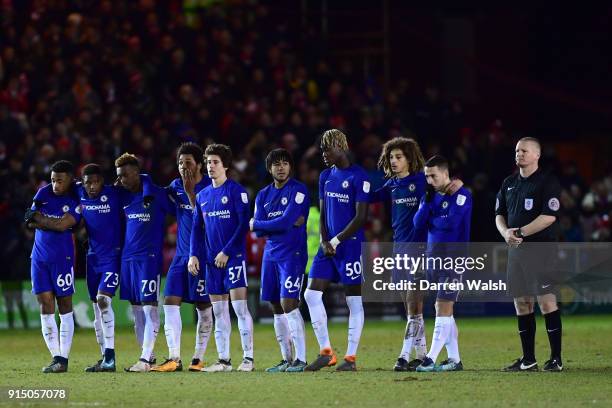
[(343, 196), (141, 258), (181, 286), (53, 214), (447, 217), (218, 243), (281, 212)]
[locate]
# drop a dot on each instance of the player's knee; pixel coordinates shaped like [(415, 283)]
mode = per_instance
[(277, 308), (312, 296), (523, 306), (46, 307), (548, 306), (64, 305), (414, 307), (289, 305), (103, 301), (444, 308), (203, 305), (352, 290)]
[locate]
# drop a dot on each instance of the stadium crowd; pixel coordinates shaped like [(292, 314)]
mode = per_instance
[(87, 81)]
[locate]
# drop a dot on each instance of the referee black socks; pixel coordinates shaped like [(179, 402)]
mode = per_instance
[(554, 329), (527, 331)]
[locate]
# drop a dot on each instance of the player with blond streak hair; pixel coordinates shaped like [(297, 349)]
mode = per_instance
[(344, 192)]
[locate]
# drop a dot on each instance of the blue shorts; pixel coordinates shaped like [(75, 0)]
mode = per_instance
[(444, 276), (102, 276), (344, 267), (56, 277), (181, 283), (140, 280), (281, 279), (221, 281)]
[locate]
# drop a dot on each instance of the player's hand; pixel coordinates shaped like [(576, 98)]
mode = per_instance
[(511, 238), (251, 222), (429, 193), (221, 260), (188, 181), (328, 249), (299, 222), (193, 266), (453, 187), (29, 215), (147, 201)]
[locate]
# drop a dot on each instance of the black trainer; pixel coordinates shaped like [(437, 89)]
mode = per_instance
[(413, 364), (521, 365), (554, 365), (401, 365), (94, 368), (58, 365)]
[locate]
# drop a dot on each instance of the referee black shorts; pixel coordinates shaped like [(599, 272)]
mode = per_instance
[(531, 270)]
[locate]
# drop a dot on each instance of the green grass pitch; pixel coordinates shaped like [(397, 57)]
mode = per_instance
[(486, 345)]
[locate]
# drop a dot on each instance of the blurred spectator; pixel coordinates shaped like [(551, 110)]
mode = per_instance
[(87, 81)]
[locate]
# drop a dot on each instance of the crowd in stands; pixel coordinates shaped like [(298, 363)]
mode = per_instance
[(89, 80)]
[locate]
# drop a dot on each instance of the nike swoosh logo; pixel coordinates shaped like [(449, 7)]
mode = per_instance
[(545, 286), (292, 291), (328, 181), (177, 193), (510, 188), (65, 289), (266, 204), (553, 330), (125, 207), (527, 367), (355, 277)]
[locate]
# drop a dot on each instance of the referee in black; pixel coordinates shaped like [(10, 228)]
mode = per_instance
[(526, 211)]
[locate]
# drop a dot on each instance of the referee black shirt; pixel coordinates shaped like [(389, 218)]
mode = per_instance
[(521, 200)]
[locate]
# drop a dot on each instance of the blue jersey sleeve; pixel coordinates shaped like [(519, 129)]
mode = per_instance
[(258, 213), (147, 185), (75, 210), (322, 178), (458, 208), (421, 217), (361, 185), (38, 200), (284, 222), (171, 202), (241, 207), (166, 203), (197, 230)]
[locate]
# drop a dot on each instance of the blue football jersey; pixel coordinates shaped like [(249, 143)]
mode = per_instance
[(221, 221), (276, 210), (53, 246), (405, 195), (447, 217), (104, 222), (184, 212), (341, 189), (144, 226)]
